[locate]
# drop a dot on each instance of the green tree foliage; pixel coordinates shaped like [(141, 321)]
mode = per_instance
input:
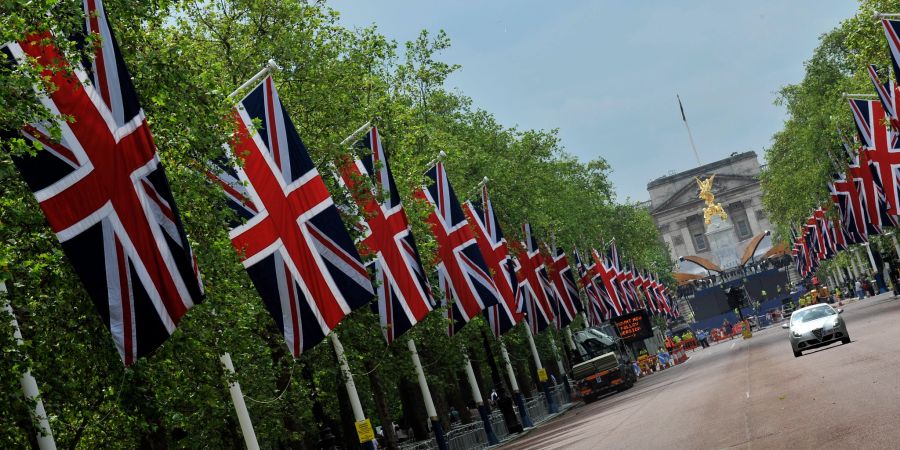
[(185, 58), (799, 162)]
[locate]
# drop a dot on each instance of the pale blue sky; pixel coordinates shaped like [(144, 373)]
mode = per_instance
[(606, 72)]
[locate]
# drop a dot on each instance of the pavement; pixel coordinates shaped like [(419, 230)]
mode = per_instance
[(754, 394)]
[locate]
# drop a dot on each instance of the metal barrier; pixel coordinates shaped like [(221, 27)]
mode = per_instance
[(467, 437), (428, 444), (498, 424), (537, 408), (558, 393)]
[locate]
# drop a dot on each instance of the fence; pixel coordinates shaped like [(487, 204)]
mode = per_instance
[(467, 437), (472, 436)]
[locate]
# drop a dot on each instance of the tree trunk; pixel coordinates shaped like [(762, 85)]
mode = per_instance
[(414, 415), (381, 406)]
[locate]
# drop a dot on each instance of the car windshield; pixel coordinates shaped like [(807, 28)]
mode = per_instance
[(812, 314)]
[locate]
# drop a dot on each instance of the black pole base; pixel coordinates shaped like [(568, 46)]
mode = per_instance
[(488, 428), (439, 435), (551, 405), (523, 412)]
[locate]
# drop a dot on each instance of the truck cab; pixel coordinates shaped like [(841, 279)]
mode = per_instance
[(602, 365)]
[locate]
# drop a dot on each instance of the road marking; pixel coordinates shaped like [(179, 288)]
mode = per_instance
[(748, 394), (732, 345)]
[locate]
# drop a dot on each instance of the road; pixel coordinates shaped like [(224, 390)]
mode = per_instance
[(755, 394)]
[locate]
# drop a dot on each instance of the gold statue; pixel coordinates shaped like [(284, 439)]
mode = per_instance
[(712, 208)]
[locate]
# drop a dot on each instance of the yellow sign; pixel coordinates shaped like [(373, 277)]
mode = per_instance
[(542, 374), (364, 431)]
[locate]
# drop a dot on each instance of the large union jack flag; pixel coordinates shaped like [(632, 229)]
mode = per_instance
[(881, 150), (105, 193), (503, 316), (462, 272), (607, 277), (534, 294), (567, 303), (887, 94), (868, 117), (404, 297), (598, 299), (293, 244)]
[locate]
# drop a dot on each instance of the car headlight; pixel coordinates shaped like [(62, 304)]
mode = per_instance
[(837, 322), (796, 334)]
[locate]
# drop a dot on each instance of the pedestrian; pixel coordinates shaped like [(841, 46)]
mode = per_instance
[(726, 327), (494, 397), (454, 415), (859, 290), (703, 337)]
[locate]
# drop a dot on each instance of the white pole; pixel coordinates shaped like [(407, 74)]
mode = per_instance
[(513, 384), (871, 258), (896, 245), (240, 407), (853, 265), (423, 383), (569, 339), (859, 264), (534, 352), (473, 383), (358, 414), (29, 384), (270, 65), (559, 363)]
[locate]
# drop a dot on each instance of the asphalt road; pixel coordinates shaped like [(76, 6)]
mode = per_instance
[(755, 394)]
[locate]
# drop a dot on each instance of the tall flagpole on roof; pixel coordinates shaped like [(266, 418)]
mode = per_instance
[(688, 128)]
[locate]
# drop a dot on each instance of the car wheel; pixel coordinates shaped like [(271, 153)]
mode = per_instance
[(797, 353), (845, 340)]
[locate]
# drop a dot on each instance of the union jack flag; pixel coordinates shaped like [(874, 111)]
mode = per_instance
[(640, 283), (404, 296), (607, 276), (503, 316), (534, 291), (892, 33), (887, 94), (462, 272), (874, 163), (625, 294), (596, 295), (846, 199), (105, 193), (293, 244), (663, 298), (567, 303)]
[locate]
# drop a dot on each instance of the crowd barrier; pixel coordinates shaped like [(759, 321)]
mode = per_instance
[(472, 436)]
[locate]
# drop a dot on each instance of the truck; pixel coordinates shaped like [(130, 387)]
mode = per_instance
[(603, 367)]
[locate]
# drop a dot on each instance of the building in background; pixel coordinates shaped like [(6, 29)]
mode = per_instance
[(678, 213)]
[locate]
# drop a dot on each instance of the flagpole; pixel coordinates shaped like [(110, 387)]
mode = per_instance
[(240, 407), (358, 414), (688, 127), (551, 405), (514, 385), (268, 68), (356, 133), (479, 402), (426, 396), (29, 384)]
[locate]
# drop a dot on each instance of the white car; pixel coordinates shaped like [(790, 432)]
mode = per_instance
[(816, 326)]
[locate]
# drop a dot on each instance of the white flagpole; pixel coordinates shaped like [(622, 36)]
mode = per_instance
[(569, 339), (551, 406), (426, 396), (268, 68), (358, 414), (240, 407), (29, 384), (514, 385), (479, 403)]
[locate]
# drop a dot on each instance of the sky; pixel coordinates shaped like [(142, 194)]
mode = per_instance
[(605, 73)]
